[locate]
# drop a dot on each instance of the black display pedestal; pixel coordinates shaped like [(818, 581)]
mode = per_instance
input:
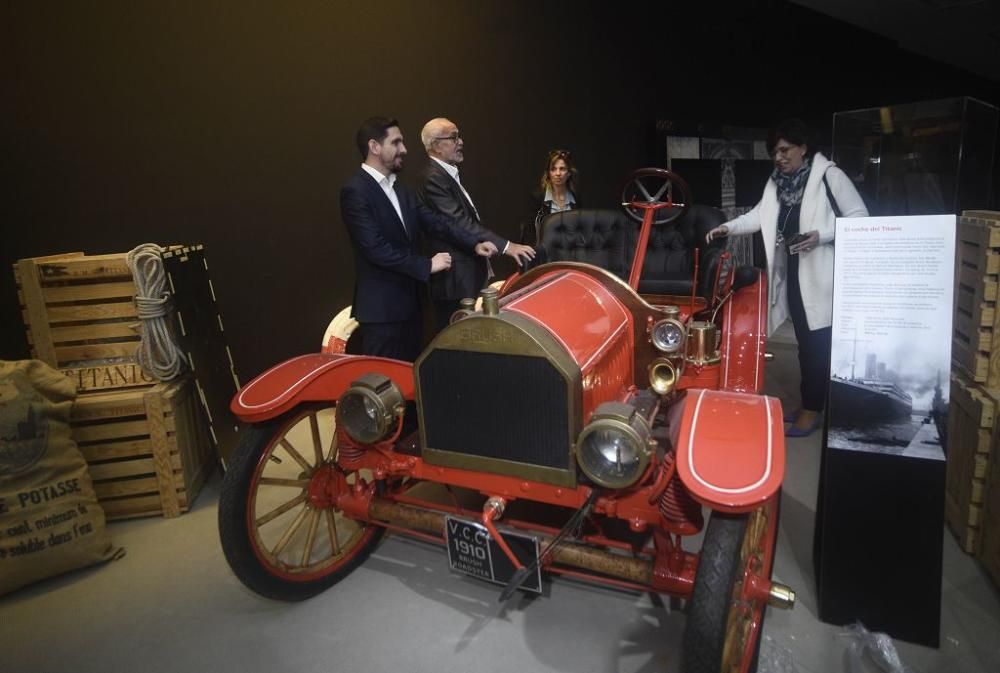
[(877, 544)]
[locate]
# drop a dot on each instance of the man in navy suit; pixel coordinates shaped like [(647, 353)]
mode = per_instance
[(442, 190), (385, 222)]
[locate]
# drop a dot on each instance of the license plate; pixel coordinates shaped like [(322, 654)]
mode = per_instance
[(472, 550)]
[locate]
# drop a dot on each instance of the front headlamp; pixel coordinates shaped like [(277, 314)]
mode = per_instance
[(615, 447), (668, 335), (370, 407)]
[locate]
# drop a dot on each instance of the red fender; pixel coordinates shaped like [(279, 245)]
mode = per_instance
[(730, 448), (509, 282), (317, 377), (744, 337)]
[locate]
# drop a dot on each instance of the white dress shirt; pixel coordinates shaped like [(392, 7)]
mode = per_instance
[(387, 182)]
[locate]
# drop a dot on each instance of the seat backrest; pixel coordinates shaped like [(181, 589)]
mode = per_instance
[(607, 238), (604, 238), (670, 253)]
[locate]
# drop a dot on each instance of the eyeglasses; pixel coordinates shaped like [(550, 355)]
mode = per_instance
[(559, 154), (454, 137)]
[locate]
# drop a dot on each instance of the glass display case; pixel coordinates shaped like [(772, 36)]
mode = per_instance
[(928, 158)]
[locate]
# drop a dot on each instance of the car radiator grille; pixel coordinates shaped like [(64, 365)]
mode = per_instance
[(509, 407)]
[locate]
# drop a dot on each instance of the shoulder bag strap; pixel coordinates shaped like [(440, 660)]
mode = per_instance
[(829, 195)]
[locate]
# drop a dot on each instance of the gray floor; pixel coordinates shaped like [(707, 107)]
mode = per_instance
[(172, 605)]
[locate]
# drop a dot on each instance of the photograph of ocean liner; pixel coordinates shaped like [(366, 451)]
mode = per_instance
[(886, 403)]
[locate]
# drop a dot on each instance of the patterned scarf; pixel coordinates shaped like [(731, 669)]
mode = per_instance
[(790, 187)]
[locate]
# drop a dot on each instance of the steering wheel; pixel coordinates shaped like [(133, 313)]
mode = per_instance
[(645, 189)]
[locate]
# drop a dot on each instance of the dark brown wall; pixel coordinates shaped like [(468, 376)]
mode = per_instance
[(231, 124)]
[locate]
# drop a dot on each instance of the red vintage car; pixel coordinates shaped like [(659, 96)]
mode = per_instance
[(570, 425)]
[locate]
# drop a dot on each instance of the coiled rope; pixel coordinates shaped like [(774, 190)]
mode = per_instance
[(158, 354)]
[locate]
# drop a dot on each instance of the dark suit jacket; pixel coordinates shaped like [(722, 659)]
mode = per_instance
[(390, 266), (440, 192)]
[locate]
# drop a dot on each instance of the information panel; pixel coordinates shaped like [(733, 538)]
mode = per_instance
[(892, 308), (880, 506)]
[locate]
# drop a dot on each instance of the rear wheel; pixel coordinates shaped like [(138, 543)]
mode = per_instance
[(280, 530), (724, 622)]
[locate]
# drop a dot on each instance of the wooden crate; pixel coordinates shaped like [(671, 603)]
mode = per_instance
[(78, 309), (972, 415), (148, 450), (989, 547), (976, 335), (976, 327)]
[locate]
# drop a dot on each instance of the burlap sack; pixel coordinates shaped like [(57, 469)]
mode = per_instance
[(50, 521)]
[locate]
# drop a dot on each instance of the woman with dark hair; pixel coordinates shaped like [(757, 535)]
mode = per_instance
[(796, 217), (557, 193)]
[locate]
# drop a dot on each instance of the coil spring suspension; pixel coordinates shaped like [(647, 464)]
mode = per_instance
[(349, 455), (680, 511)]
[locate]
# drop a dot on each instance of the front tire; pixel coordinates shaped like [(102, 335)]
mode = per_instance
[(277, 541), (723, 626)]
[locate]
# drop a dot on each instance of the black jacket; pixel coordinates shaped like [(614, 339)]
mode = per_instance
[(531, 230), (441, 193)]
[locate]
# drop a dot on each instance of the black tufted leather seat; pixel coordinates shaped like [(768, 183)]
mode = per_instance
[(607, 238), (604, 238)]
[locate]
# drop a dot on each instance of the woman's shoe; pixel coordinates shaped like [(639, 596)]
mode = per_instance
[(804, 432), (792, 416)]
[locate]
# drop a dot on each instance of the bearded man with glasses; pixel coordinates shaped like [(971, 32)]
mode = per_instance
[(442, 190)]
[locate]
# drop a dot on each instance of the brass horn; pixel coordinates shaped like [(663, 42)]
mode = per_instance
[(662, 375)]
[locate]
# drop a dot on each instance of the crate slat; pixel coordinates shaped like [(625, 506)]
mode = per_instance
[(97, 433), (108, 377), (95, 453), (92, 312), (131, 508), (91, 352), (108, 330), (114, 404), (89, 267), (122, 468), (89, 292), (112, 489)]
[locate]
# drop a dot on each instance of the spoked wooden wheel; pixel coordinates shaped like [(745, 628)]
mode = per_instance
[(649, 187), (278, 523), (727, 609)]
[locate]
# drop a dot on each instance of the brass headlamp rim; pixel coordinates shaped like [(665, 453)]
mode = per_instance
[(387, 398), (614, 418), (663, 348)]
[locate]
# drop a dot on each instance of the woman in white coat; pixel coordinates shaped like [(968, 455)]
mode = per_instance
[(796, 217)]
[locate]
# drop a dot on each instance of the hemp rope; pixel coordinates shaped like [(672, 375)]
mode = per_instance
[(158, 354)]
